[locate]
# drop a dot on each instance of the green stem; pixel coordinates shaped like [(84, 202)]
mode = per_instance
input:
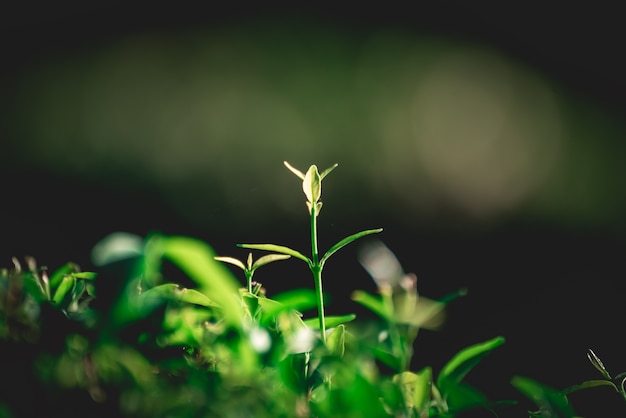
[(316, 269), (248, 275), (398, 347)]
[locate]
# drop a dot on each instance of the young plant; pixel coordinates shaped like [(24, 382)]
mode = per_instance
[(250, 267), (312, 187), (552, 402)]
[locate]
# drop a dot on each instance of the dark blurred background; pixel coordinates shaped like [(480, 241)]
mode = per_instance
[(487, 141)]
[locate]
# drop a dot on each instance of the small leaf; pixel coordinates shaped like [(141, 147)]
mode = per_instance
[(85, 275), (589, 384), (597, 363), (373, 303), (276, 248), (231, 260), (464, 361), (57, 276), (336, 340), (327, 171), (347, 241), (312, 185), (266, 259), (416, 388), (62, 290), (294, 170)]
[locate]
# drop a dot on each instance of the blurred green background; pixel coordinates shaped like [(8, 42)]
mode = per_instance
[(488, 143)]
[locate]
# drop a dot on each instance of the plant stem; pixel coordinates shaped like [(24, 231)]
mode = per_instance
[(316, 269)]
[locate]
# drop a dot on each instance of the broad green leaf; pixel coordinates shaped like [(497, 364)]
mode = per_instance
[(195, 258), (231, 260), (550, 402), (266, 259), (62, 290), (295, 171), (373, 303), (415, 388), (422, 389), (336, 340), (331, 321), (464, 361), (298, 299), (276, 248), (312, 185), (347, 241)]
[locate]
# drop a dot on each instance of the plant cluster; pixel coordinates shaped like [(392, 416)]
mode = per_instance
[(163, 329)]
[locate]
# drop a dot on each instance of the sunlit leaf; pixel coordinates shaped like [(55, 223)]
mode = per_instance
[(57, 276), (85, 275), (294, 170), (266, 259), (312, 185), (196, 259), (233, 261), (298, 299), (276, 248), (336, 340), (464, 361), (62, 290), (347, 241), (327, 171), (373, 303)]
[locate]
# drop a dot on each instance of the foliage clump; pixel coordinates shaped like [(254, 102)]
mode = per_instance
[(130, 340)]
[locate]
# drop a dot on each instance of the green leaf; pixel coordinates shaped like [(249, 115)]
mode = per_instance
[(194, 297), (57, 276), (85, 275), (589, 384), (597, 363), (266, 259), (276, 248), (298, 299), (196, 259), (62, 290), (373, 303), (422, 389), (463, 362), (550, 402), (34, 287), (294, 170), (416, 388), (336, 340), (231, 260), (312, 185), (347, 241), (327, 171)]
